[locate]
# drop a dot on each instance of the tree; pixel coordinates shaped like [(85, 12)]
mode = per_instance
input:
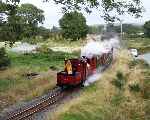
[(147, 28), (5, 60), (30, 14), (73, 25), (55, 29), (130, 29), (95, 29), (106, 7), (42, 31), (30, 17), (18, 22), (9, 28)]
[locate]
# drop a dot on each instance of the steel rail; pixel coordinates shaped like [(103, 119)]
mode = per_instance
[(45, 102)]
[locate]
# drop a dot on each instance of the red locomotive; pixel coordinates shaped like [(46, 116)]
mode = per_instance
[(77, 70)]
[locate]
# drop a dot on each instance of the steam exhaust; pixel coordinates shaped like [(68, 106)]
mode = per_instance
[(98, 46)]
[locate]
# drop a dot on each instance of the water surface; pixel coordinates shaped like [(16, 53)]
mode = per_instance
[(145, 57)]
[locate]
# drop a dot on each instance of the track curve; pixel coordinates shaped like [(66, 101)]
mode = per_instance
[(50, 99)]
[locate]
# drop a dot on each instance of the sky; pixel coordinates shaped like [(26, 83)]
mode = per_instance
[(53, 13)]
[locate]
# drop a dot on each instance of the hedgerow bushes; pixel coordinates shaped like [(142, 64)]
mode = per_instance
[(4, 59)]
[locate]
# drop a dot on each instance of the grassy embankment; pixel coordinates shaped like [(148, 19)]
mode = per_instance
[(64, 43), (142, 44), (122, 93), (15, 86)]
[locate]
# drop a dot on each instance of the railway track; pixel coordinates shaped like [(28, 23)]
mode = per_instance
[(51, 98), (48, 100)]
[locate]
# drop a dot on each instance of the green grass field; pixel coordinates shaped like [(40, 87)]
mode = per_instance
[(41, 61)]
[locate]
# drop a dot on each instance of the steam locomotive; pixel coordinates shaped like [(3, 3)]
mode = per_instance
[(76, 71)]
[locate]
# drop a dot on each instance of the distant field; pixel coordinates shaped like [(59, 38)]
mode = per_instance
[(142, 44), (65, 43)]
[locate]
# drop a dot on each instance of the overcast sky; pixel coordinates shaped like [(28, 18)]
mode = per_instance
[(53, 13)]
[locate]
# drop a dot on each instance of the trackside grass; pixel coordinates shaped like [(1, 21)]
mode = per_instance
[(105, 101)]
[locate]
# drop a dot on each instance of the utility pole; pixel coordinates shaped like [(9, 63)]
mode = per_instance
[(121, 30), (121, 33), (105, 27)]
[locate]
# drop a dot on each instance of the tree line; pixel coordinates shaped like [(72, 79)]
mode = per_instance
[(17, 22)]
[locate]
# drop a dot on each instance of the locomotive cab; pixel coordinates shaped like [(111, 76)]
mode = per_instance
[(73, 73)]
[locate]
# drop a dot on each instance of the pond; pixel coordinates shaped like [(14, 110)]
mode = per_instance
[(145, 57)]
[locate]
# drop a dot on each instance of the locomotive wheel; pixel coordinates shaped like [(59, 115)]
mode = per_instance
[(62, 87)]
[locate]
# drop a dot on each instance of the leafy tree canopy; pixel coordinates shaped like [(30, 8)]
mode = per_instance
[(30, 17), (109, 9), (147, 29), (30, 14), (9, 28), (5, 60), (42, 31), (127, 28), (95, 29), (18, 22), (73, 25)]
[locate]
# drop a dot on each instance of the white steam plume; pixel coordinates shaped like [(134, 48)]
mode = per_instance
[(98, 47)]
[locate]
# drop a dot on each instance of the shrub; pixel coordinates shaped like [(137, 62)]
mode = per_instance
[(4, 59), (135, 87), (73, 25), (44, 49), (133, 63), (119, 81)]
